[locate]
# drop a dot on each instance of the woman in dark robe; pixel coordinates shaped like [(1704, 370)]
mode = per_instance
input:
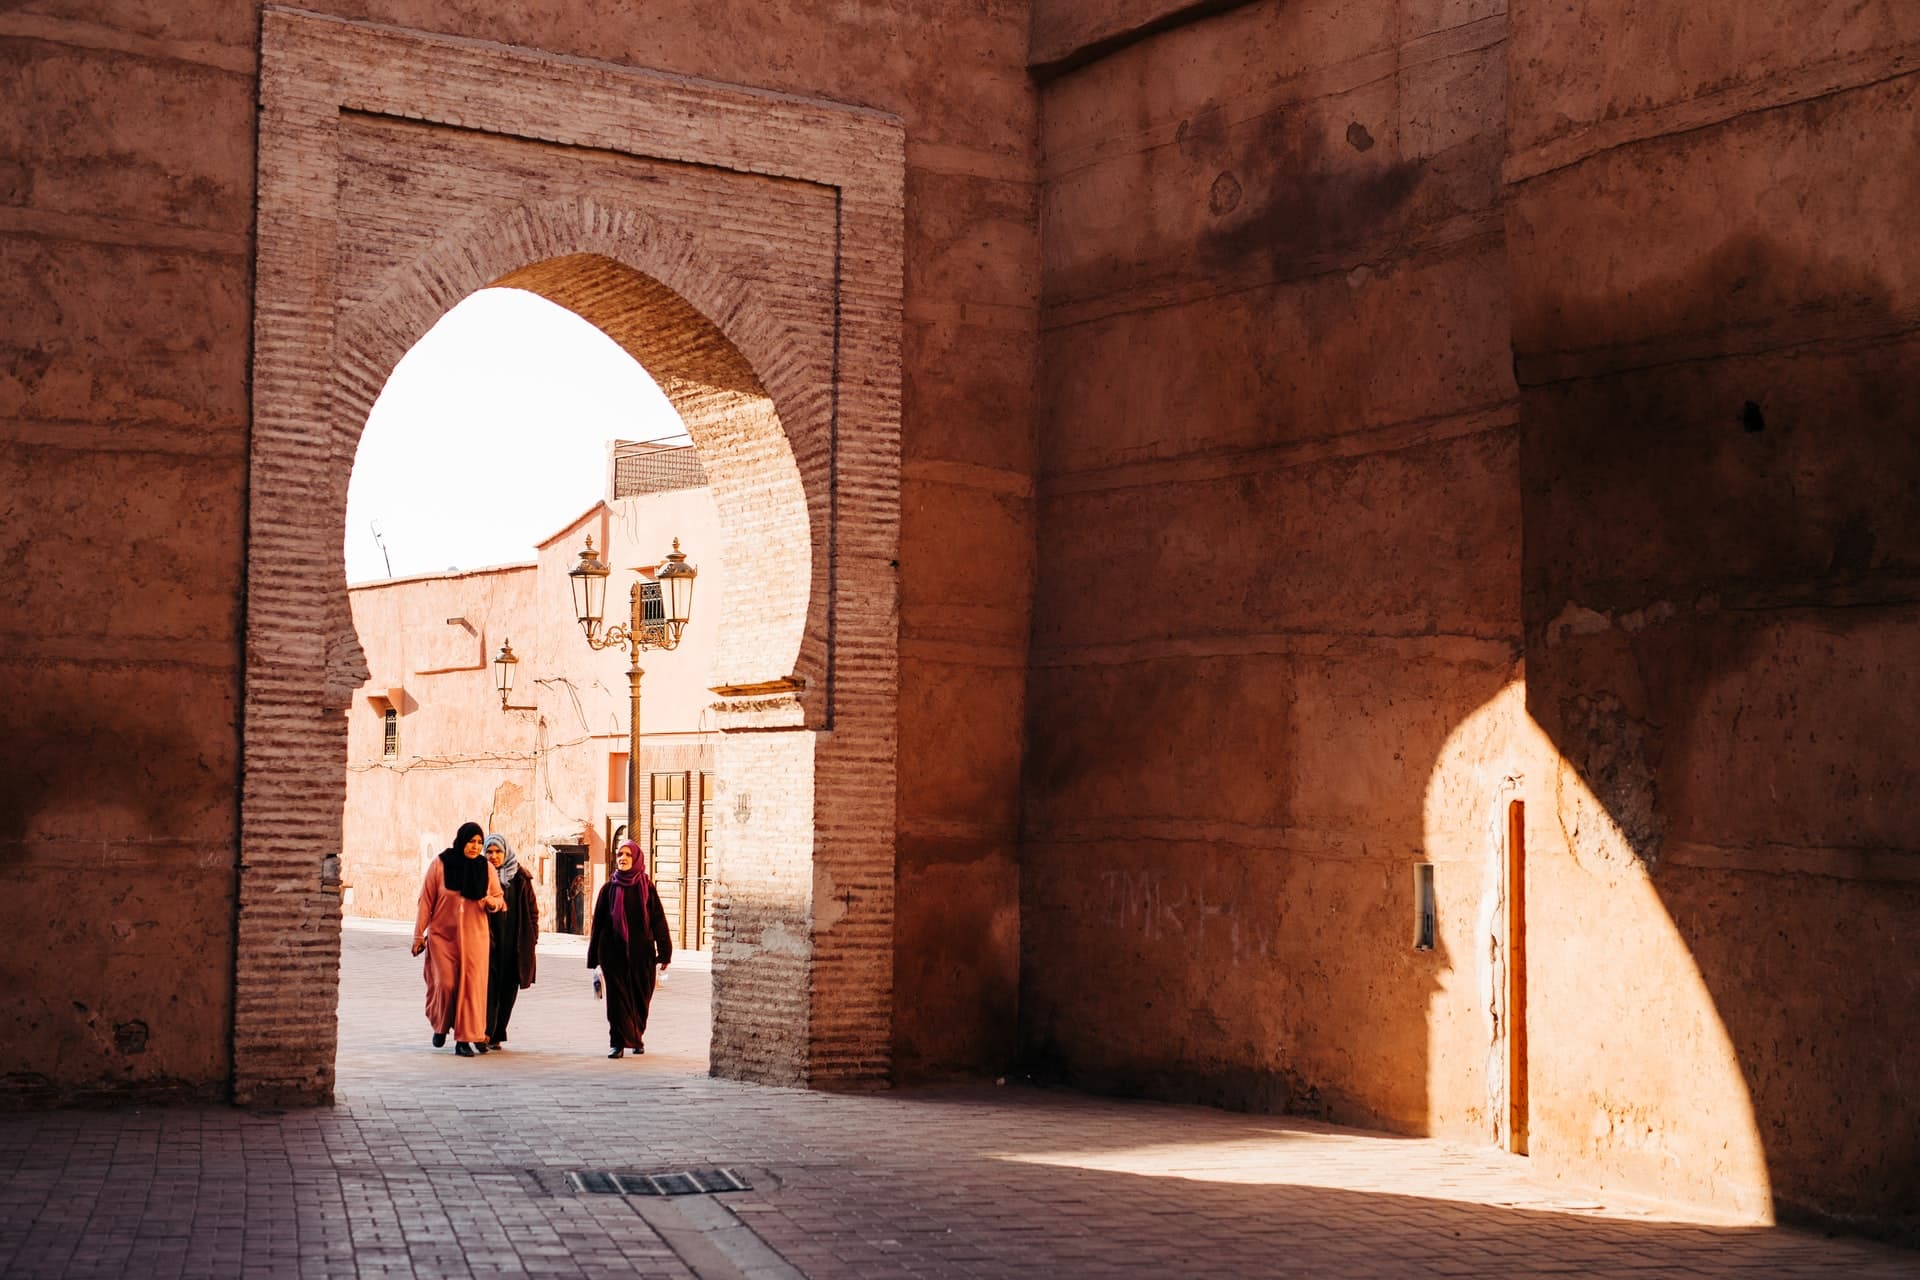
[(629, 939), (516, 931)]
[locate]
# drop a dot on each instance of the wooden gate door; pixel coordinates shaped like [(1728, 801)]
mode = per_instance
[(700, 874), (667, 856)]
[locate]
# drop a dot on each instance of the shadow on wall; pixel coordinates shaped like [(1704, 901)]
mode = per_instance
[(1217, 900), (1291, 199), (1722, 597), (1223, 792), (71, 776), (116, 841)]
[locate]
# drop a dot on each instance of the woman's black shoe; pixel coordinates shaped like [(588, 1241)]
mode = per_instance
[(618, 1053), (493, 1046), (439, 1039), (464, 1049), (479, 1047)]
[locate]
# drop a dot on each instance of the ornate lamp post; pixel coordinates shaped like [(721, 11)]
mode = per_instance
[(654, 621), (504, 665)]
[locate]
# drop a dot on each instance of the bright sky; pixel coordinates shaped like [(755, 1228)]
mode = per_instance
[(490, 435)]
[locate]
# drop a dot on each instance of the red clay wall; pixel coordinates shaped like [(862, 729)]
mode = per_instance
[(1715, 292), (1322, 590), (1297, 525), (1280, 532), (128, 199), (125, 209)]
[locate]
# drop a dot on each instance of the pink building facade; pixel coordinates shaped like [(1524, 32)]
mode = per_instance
[(430, 745)]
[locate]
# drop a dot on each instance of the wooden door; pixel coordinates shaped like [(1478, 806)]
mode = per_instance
[(1516, 925), (666, 856), (700, 903)]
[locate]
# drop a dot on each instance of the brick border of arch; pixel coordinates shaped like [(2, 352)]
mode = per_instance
[(781, 621), (803, 963)]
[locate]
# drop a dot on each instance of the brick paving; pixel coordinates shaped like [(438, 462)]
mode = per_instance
[(435, 1166)]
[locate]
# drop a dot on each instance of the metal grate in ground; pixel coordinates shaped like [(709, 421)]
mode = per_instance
[(685, 1182)]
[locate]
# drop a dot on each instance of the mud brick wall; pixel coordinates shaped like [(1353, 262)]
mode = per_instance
[(1279, 524), (1715, 297)]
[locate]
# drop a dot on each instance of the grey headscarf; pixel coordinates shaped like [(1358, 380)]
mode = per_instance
[(509, 865)]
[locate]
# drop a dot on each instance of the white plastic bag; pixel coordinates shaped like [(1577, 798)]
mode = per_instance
[(599, 992)]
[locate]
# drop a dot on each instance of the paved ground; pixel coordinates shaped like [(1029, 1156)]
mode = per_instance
[(433, 1165)]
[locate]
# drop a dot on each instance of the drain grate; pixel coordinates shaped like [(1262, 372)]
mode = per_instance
[(684, 1182)]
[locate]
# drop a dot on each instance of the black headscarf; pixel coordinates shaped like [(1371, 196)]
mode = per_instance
[(465, 876)]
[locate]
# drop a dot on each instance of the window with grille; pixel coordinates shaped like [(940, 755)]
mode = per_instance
[(653, 610), (390, 746)]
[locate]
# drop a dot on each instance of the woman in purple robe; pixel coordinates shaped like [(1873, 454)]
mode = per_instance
[(628, 943)]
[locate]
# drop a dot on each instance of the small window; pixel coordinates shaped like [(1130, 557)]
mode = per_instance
[(669, 786), (653, 611), (1424, 925), (390, 747), (617, 778)]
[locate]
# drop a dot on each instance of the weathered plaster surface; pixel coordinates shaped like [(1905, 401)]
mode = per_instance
[(1280, 527), (1297, 527)]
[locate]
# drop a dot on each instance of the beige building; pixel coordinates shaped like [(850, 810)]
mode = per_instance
[(430, 744)]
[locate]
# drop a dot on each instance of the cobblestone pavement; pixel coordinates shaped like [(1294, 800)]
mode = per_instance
[(432, 1165)]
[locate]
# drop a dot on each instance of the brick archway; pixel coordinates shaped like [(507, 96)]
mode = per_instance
[(400, 172)]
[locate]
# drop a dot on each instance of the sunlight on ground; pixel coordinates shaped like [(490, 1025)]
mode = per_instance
[(1366, 1164)]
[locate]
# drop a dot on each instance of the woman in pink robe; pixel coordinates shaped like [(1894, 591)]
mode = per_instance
[(451, 927)]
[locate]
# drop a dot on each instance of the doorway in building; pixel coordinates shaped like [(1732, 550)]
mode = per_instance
[(570, 888), (680, 850), (666, 852)]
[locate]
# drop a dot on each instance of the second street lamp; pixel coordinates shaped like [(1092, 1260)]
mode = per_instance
[(504, 666), (655, 620)]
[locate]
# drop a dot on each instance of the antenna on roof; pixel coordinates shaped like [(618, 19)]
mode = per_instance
[(380, 542)]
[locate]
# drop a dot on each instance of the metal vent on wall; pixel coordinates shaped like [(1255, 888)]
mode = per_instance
[(687, 1182)]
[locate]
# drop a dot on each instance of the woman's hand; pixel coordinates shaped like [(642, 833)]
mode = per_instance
[(419, 945)]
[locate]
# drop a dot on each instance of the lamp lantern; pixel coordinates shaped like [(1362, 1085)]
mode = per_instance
[(675, 577), (504, 664), (676, 587), (589, 581)]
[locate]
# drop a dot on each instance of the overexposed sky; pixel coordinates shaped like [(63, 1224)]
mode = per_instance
[(490, 435)]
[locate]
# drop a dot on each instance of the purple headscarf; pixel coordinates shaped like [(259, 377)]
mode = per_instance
[(633, 878)]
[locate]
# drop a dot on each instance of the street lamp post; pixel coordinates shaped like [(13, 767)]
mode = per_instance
[(504, 666), (652, 623)]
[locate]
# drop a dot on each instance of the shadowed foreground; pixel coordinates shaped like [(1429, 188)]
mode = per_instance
[(437, 1166)]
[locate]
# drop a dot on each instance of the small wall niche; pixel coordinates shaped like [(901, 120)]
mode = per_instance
[(1425, 926)]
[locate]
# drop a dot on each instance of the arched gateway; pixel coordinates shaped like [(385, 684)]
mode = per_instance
[(746, 249)]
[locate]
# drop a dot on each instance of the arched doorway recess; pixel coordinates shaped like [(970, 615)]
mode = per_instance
[(399, 172)]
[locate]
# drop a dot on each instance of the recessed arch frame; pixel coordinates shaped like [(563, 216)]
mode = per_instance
[(805, 434)]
